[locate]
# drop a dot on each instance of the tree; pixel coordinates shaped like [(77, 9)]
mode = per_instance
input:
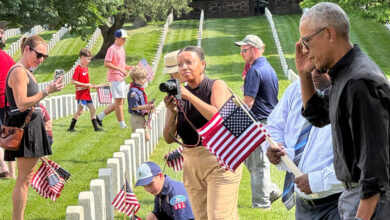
[(82, 15), (147, 10), (376, 9)]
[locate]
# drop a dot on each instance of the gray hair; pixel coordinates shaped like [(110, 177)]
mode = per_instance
[(328, 14)]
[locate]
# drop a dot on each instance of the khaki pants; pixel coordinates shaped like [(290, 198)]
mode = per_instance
[(212, 190), (139, 121)]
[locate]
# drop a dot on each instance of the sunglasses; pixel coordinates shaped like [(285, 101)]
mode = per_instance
[(305, 40), (39, 55), (245, 50)]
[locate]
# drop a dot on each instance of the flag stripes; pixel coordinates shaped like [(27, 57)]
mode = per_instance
[(144, 65), (104, 95), (46, 182), (175, 159), (232, 135), (126, 201)]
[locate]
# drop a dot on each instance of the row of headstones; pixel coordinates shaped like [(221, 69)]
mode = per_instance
[(157, 57), (95, 204), (15, 46), (65, 105), (56, 37), (283, 61), (12, 32), (68, 75), (200, 32)]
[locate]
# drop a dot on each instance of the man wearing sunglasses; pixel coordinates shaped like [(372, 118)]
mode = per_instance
[(357, 107), (260, 95)]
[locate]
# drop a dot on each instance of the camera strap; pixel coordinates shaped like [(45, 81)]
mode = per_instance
[(192, 126)]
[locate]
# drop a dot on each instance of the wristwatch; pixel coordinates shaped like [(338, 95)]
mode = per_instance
[(357, 218)]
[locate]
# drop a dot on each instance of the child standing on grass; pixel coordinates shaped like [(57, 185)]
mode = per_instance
[(83, 95), (138, 102)]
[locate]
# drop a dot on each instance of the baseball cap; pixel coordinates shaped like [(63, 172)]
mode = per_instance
[(251, 39), (170, 62), (120, 33), (146, 172)]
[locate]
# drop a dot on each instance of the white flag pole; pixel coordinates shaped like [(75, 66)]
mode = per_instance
[(285, 159)]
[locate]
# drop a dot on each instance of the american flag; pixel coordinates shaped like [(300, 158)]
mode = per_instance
[(46, 182), (231, 135), (144, 65), (175, 159), (104, 95), (126, 201)]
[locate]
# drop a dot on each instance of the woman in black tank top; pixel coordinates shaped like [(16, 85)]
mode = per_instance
[(22, 94), (213, 191)]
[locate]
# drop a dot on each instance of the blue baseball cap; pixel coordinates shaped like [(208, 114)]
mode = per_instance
[(120, 33), (146, 172)]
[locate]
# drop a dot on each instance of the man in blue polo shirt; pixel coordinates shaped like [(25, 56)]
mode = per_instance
[(171, 199), (260, 95)]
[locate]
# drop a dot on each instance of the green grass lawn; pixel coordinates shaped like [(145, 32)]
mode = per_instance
[(84, 152), (135, 51), (225, 62), (372, 37)]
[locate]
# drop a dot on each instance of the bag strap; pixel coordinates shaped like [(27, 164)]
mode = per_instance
[(5, 93), (28, 117)]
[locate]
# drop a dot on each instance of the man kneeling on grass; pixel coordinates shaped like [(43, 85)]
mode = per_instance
[(171, 199)]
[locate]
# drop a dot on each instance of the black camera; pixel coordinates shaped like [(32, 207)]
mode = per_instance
[(172, 87)]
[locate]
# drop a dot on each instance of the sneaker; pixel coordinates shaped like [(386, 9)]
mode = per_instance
[(263, 207), (5, 175), (100, 122), (99, 129), (123, 126), (275, 195), (71, 130)]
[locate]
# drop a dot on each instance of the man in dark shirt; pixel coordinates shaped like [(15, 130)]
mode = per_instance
[(260, 95), (357, 106), (171, 199)]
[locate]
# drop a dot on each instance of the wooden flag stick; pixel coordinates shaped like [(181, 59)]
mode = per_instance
[(103, 84), (286, 160)]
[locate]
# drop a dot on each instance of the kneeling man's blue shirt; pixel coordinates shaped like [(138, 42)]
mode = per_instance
[(173, 202)]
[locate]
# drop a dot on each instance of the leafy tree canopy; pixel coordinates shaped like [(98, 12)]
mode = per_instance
[(82, 15), (376, 9)]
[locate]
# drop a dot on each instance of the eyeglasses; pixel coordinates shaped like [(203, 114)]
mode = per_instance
[(305, 40), (246, 49), (39, 55)]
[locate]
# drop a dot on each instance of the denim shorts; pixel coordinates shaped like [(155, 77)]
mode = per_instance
[(84, 102)]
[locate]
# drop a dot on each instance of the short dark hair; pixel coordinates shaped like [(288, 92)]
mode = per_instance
[(85, 53)]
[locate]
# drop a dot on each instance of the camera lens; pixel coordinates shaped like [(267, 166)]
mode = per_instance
[(167, 86), (163, 87)]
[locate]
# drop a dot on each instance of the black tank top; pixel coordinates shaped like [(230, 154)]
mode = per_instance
[(32, 88), (185, 131)]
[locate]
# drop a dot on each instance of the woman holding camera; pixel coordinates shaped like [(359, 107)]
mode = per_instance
[(212, 190), (22, 94)]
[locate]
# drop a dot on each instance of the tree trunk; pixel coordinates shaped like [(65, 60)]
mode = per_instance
[(108, 34)]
